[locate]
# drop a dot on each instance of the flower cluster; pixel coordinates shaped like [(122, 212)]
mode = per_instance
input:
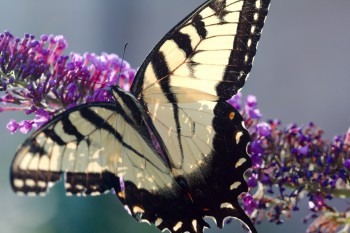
[(290, 163), (37, 78)]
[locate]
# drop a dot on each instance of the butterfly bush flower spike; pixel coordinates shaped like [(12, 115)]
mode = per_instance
[(37, 78), (291, 163)]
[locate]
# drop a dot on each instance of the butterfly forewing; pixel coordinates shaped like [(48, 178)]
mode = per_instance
[(94, 146), (211, 51)]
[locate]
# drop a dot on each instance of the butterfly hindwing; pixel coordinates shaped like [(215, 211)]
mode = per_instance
[(208, 174)]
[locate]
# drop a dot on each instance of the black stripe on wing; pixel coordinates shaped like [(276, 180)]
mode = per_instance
[(184, 43), (138, 82), (248, 33), (100, 123), (70, 129), (161, 69), (67, 147), (199, 26)]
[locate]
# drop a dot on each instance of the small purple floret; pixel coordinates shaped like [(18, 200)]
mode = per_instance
[(304, 150), (251, 101), (347, 164), (263, 129), (253, 180), (12, 126), (249, 204), (236, 101), (25, 126)]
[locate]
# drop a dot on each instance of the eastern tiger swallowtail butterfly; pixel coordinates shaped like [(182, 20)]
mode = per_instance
[(173, 149)]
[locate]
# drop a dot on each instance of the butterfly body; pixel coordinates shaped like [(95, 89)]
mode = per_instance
[(173, 149)]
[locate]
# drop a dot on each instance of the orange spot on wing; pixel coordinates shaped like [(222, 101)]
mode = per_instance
[(121, 195), (232, 115)]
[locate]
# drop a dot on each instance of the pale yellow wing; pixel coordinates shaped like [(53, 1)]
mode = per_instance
[(94, 146)]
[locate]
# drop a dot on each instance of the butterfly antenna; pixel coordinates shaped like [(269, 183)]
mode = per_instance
[(121, 64)]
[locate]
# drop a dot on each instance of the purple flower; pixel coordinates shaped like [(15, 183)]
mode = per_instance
[(251, 101), (25, 126), (255, 147), (304, 150), (12, 126), (236, 101), (254, 113), (251, 107), (263, 129), (257, 160), (249, 204), (252, 180), (41, 117), (316, 202), (296, 160), (36, 74), (347, 164)]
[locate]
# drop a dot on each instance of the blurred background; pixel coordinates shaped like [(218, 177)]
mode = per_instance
[(300, 74)]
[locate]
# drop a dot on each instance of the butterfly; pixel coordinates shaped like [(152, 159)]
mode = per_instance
[(172, 148)]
